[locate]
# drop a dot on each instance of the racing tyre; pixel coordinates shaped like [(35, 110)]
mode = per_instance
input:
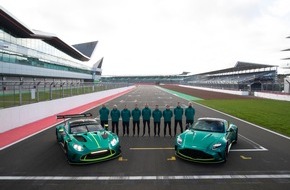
[(226, 153), (236, 140), (57, 139)]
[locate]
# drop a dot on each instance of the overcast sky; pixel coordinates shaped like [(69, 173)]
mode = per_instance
[(149, 37)]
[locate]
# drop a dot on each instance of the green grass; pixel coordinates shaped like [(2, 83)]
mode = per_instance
[(271, 114)]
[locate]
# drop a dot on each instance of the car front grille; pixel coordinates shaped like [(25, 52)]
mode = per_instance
[(195, 154), (98, 155)]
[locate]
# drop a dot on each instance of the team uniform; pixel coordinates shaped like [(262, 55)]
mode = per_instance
[(125, 115), (136, 114), (189, 115), (157, 115), (115, 116), (178, 112), (146, 114), (104, 116), (167, 115)]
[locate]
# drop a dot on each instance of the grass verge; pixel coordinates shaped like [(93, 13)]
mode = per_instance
[(271, 114)]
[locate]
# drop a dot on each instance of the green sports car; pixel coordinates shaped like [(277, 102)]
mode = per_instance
[(84, 140), (207, 140)]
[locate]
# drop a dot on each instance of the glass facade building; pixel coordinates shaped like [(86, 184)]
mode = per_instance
[(26, 53)]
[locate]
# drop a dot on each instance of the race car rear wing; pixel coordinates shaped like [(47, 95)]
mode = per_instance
[(74, 116)]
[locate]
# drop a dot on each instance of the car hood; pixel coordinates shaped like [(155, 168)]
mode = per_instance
[(94, 140), (201, 139)]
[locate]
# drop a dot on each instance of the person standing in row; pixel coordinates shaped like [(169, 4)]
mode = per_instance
[(104, 115), (178, 112), (157, 115), (189, 115), (136, 114), (146, 114), (167, 115), (125, 115), (115, 116)]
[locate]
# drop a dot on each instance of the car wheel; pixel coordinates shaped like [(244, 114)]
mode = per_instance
[(226, 153), (236, 139), (66, 153), (57, 139), (65, 149)]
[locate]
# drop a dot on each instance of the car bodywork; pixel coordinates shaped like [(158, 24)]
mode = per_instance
[(84, 140), (208, 140)]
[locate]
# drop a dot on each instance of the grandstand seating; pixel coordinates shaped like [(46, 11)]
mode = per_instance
[(243, 76)]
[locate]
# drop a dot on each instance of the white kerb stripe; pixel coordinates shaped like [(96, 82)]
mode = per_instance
[(142, 178)]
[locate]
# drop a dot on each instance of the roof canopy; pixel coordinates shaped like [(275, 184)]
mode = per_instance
[(86, 48), (18, 29), (240, 66)]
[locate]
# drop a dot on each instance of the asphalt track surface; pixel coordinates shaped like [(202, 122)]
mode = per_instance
[(260, 159)]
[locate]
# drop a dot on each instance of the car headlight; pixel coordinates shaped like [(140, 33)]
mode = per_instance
[(114, 142), (179, 140), (78, 147), (217, 145)]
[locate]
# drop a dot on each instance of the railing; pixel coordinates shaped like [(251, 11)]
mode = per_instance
[(21, 93), (267, 87)]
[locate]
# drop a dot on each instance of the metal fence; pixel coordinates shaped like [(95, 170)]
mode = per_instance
[(21, 93), (252, 87)]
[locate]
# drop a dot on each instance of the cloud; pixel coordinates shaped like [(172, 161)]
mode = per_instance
[(165, 36)]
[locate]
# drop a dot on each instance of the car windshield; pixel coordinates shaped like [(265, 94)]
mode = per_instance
[(209, 125), (85, 127)]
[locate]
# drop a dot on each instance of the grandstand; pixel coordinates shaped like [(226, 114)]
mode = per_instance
[(286, 67), (243, 76), (287, 58), (153, 79)]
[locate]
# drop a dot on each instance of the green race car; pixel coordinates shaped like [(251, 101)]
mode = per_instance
[(207, 140), (84, 140)]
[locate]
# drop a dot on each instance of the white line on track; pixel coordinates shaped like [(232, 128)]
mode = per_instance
[(152, 148), (2, 148), (247, 150), (142, 178), (256, 145), (171, 148)]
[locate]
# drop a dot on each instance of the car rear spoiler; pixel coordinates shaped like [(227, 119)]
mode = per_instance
[(74, 116)]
